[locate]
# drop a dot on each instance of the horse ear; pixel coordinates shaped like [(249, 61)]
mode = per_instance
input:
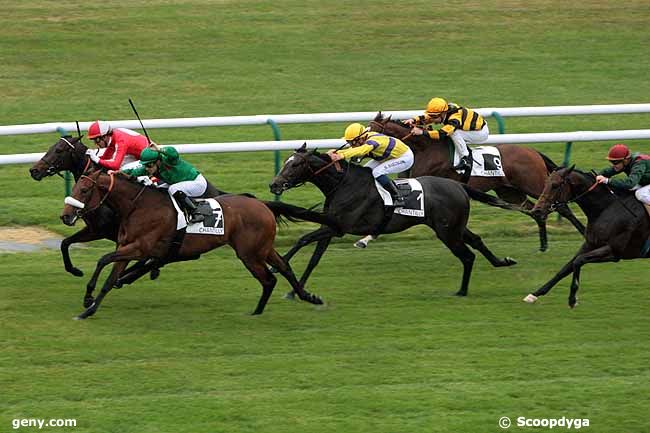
[(378, 117), (571, 168), (388, 118), (303, 148)]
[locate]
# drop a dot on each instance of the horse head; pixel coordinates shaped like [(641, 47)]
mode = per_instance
[(562, 186), (298, 168), (65, 154), (88, 194)]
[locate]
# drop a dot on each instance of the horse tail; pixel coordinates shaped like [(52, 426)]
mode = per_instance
[(491, 200), (297, 214), (550, 165)]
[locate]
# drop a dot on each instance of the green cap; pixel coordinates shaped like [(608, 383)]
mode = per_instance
[(149, 155)]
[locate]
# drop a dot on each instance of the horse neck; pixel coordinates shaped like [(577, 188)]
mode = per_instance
[(352, 183), (124, 194), (594, 202), (79, 160)]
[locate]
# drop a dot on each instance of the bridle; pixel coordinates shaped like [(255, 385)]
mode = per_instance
[(103, 199), (565, 181), (52, 168), (313, 173), (382, 127)]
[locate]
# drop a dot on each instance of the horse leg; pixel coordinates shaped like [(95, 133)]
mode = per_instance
[(83, 235), (475, 241), (566, 270), (515, 196), (320, 249), (454, 241), (565, 211), (136, 271), (259, 270), (317, 235), (285, 270), (118, 267), (363, 242), (602, 254)]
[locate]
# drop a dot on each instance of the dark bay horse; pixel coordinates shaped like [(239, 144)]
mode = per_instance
[(148, 228), (69, 154), (525, 170), (617, 224), (355, 207)]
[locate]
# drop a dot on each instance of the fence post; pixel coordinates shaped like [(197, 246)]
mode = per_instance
[(500, 122), (565, 163), (67, 179), (276, 153)]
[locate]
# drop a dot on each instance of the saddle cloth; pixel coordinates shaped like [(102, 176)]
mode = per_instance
[(412, 189), (212, 223), (486, 161)]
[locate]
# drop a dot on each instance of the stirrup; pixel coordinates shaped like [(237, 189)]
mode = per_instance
[(463, 164), (195, 218)]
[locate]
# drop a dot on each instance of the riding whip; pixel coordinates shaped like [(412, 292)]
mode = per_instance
[(151, 143)]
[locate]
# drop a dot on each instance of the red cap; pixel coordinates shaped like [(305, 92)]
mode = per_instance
[(618, 151)]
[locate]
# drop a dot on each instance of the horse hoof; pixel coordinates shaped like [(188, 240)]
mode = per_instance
[(89, 312), (88, 302), (76, 272), (155, 273), (531, 299), (360, 244), (460, 293), (510, 261), (573, 304), (543, 248), (290, 296), (316, 300), (274, 270)]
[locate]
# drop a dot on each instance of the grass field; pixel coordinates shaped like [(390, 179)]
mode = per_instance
[(392, 350)]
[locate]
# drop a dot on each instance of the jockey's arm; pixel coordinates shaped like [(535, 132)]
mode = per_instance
[(114, 161), (136, 171), (632, 180), (441, 133), (352, 152)]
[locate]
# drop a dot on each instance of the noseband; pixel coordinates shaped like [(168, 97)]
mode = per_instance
[(565, 181), (51, 166)]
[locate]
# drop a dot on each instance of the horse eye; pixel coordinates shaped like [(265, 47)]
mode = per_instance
[(58, 150)]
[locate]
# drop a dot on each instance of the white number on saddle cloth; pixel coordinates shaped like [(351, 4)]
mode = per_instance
[(211, 225), (486, 162), (414, 201)]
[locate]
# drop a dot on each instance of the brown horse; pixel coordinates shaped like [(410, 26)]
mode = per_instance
[(148, 229), (69, 154), (525, 170)]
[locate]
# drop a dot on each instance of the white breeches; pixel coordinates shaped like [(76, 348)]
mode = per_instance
[(643, 194), (396, 165), (462, 138), (191, 188)]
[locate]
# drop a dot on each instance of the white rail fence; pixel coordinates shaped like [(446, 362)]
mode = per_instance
[(573, 136)]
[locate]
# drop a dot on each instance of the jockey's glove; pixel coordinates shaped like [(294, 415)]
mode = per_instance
[(92, 154)]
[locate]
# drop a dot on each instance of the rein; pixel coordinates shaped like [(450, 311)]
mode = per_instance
[(382, 128), (101, 202), (554, 205)]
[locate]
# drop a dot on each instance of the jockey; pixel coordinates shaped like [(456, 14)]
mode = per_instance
[(183, 179), (637, 168), (122, 146), (462, 125), (389, 155)]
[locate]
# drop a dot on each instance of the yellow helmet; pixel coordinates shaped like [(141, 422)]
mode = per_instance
[(436, 106), (354, 131)]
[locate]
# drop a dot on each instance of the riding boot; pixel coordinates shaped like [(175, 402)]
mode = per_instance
[(390, 186), (463, 164), (187, 204)]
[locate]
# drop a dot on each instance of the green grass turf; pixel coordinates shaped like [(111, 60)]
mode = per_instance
[(392, 351)]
